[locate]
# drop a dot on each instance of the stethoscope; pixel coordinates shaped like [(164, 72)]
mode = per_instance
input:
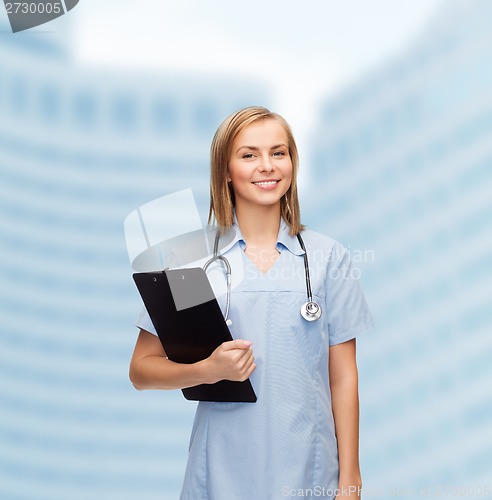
[(310, 310)]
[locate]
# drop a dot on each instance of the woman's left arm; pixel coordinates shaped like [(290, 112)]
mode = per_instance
[(345, 405)]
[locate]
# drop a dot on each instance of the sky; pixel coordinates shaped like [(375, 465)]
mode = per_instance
[(304, 50)]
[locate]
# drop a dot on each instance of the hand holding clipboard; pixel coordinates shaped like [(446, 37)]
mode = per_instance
[(190, 325)]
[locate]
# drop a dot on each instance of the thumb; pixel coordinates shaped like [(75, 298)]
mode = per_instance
[(237, 344)]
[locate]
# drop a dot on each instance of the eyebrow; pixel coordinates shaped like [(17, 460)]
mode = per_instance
[(254, 148)]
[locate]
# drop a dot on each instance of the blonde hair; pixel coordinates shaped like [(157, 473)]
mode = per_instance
[(222, 200)]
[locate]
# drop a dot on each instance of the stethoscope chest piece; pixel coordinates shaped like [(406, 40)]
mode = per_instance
[(311, 311)]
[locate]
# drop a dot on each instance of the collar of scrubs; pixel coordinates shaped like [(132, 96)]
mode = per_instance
[(284, 239)]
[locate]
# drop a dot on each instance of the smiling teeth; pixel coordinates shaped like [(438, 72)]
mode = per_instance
[(265, 183)]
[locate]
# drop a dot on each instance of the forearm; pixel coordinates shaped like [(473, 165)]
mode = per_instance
[(345, 405), (151, 369), (158, 372)]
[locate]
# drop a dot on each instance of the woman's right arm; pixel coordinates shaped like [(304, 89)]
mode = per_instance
[(150, 368)]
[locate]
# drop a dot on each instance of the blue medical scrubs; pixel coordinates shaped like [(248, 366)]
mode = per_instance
[(283, 445)]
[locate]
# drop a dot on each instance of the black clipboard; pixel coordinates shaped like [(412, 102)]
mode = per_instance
[(190, 326)]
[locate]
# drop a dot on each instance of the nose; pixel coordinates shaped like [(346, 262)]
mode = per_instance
[(266, 164)]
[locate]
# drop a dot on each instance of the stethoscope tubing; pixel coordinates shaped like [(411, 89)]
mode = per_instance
[(310, 310), (306, 269), (225, 261)]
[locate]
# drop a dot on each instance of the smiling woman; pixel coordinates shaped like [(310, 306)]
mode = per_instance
[(260, 168), (253, 152), (302, 432)]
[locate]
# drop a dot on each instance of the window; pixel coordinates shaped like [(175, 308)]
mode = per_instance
[(205, 118), (164, 116), (85, 108), (18, 95), (124, 113), (49, 103)]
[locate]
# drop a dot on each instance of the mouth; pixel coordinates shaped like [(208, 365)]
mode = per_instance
[(268, 183)]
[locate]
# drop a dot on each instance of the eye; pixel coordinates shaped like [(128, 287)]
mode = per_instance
[(248, 155), (278, 153)]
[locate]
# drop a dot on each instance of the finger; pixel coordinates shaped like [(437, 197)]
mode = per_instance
[(247, 357), (243, 357), (246, 371), (250, 370), (243, 360), (237, 344), (246, 353)]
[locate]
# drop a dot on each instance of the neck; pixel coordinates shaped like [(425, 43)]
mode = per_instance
[(259, 224)]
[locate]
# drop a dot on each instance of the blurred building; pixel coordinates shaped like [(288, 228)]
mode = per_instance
[(80, 148), (404, 158)]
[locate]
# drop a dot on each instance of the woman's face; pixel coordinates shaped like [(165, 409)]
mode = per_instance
[(260, 167)]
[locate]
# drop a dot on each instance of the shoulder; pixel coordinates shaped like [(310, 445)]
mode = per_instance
[(325, 250), (316, 240)]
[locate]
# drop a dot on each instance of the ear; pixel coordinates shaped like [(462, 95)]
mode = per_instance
[(228, 177)]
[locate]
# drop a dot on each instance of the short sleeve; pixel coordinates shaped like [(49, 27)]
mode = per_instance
[(346, 308), (144, 322)]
